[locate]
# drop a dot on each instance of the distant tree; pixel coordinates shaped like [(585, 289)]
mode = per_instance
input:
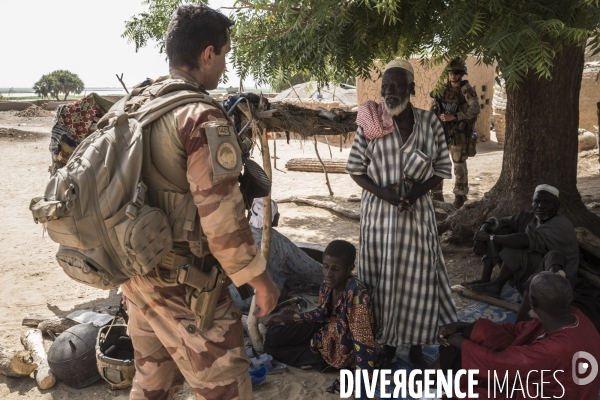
[(11, 91), (58, 82)]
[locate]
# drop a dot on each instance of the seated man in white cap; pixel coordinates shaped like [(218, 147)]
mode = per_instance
[(289, 266), (525, 244)]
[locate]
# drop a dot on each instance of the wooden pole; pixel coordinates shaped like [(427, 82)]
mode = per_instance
[(275, 150), (265, 244), (329, 147), (598, 130), (120, 78), (324, 169), (463, 291)]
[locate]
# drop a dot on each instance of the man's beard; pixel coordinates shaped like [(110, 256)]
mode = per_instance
[(398, 109), (533, 314)]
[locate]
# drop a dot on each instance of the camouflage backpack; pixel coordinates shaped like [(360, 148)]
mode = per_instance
[(95, 206)]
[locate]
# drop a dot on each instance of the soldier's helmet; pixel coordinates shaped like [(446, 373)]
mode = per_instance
[(457, 65), (72, 358), (114, 356)]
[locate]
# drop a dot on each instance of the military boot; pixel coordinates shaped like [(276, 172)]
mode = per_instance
[(459, 200)]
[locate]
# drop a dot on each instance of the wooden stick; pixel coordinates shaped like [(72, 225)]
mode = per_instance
[(275, 150), (328, 205), (324, 169), (253, 330), (466, 292), (329, 147), (33, 321), (16, 364), (56, 325), (32, 341), (122, 83)]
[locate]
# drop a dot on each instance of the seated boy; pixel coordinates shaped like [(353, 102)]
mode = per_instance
[(339, 332), (289, 266)]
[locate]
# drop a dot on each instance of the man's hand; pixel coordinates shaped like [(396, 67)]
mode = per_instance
[(266, 294), (445, 331), (480, 247), (447, 117), (481, 236), (407, 201), (280, 319), (388, 193), (456, 340)]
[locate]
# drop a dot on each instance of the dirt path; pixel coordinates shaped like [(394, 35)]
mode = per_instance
[(32, 283)]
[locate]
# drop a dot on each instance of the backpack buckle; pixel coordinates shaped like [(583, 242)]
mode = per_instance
[(140, 194)]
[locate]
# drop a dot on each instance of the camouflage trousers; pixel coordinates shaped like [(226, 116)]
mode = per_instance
[(166, 341), (461, 183)]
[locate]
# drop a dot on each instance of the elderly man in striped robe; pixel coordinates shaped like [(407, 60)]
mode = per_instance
[(399, 154)]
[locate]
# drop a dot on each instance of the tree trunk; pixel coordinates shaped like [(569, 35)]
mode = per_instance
[(66, 95), (542, 118)]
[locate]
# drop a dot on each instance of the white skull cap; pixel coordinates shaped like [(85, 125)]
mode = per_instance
[(404, 64), (547, 188)]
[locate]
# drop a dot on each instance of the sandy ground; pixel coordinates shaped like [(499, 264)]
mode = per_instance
[(33, 283)]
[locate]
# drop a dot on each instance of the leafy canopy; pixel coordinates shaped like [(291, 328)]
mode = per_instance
[(333, 39), (57, 82)]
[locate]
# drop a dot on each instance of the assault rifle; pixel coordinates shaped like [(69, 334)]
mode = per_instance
[(440, 110)]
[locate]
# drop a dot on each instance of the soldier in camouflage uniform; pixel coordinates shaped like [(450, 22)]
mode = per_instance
[(461, 108), (186, 159)]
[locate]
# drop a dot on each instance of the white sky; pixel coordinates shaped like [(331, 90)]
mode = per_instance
[(82, 36)]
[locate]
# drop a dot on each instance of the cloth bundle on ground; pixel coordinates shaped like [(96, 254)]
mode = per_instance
[(73, 123)]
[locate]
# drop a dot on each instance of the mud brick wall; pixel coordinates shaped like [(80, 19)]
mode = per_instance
[(588, 97)]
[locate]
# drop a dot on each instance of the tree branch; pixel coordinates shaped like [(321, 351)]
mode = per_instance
[(272, 9), (266, 34)]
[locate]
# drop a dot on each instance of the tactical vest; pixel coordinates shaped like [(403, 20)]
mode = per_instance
[(164, 170), (453, 101)]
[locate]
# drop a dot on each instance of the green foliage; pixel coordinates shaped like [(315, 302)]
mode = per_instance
[(333, 39), (58, 82), (152, 25)]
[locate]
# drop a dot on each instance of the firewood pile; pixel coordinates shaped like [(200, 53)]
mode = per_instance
[(31, 356)]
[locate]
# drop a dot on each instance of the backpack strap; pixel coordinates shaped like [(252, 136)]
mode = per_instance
[(161, 105)]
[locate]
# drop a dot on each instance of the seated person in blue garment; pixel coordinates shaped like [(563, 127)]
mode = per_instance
[(339, 332), (289, 266)]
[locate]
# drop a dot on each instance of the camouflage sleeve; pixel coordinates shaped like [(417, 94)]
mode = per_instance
[(220, 205), (473, 107)]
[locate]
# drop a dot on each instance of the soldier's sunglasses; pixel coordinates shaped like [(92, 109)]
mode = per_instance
[(455, 72)]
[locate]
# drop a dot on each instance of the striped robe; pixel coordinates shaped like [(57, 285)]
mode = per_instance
[(400, 257)]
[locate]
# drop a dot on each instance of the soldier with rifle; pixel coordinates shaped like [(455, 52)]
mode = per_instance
[(458, 108)]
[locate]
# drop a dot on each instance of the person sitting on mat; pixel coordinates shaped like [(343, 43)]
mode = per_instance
[(556, 343), (339, 332), (526, 244)]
